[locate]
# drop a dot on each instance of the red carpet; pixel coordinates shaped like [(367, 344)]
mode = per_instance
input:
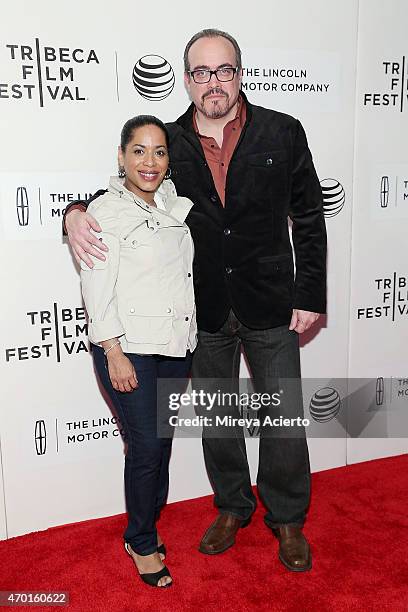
[(357, 526)]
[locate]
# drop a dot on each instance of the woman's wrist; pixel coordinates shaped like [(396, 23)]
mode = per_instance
[(111, 346)]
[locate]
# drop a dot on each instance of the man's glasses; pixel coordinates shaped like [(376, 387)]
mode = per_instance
[(223, 75)]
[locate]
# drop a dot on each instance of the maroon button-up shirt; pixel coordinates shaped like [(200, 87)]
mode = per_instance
[(218, 158)]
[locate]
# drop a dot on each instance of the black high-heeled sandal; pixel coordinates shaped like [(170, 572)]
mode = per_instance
[(152, 579)]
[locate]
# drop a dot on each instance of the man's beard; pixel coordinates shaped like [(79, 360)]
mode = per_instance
[(218, 108)]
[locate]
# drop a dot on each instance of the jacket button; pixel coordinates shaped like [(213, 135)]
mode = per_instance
[(157, 222), (228, 270), (132, 310), (213, 198), (168, 310), (189, 275), (186, 318), (269, 161), (227, 231), (134, 242)]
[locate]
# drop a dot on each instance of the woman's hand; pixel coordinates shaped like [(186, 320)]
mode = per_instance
[(121, 370)]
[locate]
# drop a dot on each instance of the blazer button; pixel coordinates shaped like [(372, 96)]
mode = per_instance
[(132, 310), (227, 231), (228, 270), (168, 310), (134, 242), (189, 275), (269, 161), (213, 198), (186, 318)]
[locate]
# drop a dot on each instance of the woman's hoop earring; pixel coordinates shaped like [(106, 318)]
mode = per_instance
[(168, 173), (121, 172)]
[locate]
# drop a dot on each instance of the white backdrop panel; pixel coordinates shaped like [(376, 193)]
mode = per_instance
[(3, 525), (66, 89), (379, 297)]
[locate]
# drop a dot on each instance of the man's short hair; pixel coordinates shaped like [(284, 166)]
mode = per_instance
[(212, 33)]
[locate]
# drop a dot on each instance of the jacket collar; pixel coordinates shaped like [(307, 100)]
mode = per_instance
[(176, 206), (166, 198)]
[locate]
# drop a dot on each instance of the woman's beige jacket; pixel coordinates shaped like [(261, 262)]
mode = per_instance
[(143, 293)]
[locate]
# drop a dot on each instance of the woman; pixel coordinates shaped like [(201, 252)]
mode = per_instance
[(140, 303)]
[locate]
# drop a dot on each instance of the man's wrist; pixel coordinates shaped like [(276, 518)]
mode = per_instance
[(78, 206), (81, 207)]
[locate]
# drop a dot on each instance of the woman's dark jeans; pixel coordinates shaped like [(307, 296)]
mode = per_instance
[(147, 457)]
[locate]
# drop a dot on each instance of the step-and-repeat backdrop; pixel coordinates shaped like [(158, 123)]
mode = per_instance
[(69, 80)]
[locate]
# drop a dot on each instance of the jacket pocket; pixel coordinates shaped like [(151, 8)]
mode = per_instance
[(277, 270), (270, 160), (152, 325), (276, 262), (139, 234), (268, 176)]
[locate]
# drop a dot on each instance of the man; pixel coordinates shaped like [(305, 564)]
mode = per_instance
[(247, 169)]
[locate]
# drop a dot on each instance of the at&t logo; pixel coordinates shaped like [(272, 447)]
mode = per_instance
[(153, 77), (325, 404), (334, 197)]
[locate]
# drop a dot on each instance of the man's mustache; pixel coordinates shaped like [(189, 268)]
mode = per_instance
[(215, 90)]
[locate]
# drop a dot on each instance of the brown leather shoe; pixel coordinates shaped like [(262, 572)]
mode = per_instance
[(294, 550), (221, 534)]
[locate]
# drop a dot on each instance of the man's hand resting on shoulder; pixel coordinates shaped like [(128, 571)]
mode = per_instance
[(78, 225)]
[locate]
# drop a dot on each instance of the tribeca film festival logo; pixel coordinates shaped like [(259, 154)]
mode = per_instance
[(395, 92), (153, 77), (62, 332), (45, 73), (60, 434), (393, 191), (30, 200), (392, 299), (334, 197)]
